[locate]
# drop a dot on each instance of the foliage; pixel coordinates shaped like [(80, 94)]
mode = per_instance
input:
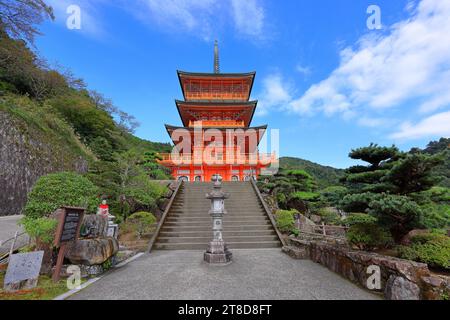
[(285, 220), (18, 18), (331, 196), (365, 233), (325, 176), (329, 217), (374, 154), (61, 189), (358, 202), (394, 188), (305, 196), (141, 223), (433, 249), (414, 173), (443, 170), (397, 213), (42, 229)]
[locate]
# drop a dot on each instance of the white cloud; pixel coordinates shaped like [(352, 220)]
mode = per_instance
[(436, 125), (248, 17), (203, 17), (409, 63), (275, 95), (91, 23)]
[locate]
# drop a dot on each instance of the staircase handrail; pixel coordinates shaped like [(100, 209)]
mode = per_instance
[(164, 216), (268, 212)]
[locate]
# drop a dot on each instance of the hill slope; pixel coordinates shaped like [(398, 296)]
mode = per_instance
[(324, 175)]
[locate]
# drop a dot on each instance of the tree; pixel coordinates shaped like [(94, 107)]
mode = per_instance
[(19, 18), (414, 173), (61, 189)]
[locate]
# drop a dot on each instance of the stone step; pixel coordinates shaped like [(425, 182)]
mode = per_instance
[(204, 246), (209, 233), (208, 218), (248, 228), (209, 223), (206, 240)]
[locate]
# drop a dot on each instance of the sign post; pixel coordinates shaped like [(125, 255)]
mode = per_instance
[(69, 225)]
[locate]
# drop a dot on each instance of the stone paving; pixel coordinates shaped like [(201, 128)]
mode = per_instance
[(8, 227), (255, 274)]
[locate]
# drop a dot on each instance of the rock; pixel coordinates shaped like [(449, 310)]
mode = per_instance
[(406, 240), (398, 288), (295, 252), (315, 218), (92, 251), (87, 271), (94, 226)]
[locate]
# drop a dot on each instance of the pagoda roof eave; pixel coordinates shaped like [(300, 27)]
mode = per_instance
[(216, 75), (170, 128), (250, 104), (218, 103)]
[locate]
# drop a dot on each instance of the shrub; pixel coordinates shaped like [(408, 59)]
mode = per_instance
[(42, 229), (332, 195), (140, 223), (357, 202), (305, 196), (365, 233), (143, 194), (432, 249), (61, 189), (397, 213), (285, 220), (329, 216)]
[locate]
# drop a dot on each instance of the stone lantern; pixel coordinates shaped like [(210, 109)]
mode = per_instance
[(217, 252)]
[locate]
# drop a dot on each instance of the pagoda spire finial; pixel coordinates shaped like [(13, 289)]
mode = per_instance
[(216, 57)]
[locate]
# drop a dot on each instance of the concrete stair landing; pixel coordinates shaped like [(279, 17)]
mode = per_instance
[(188, 225)]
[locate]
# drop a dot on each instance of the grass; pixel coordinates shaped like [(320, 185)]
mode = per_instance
[(45, 290)]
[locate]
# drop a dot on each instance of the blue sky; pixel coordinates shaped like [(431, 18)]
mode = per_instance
[(323, 78)]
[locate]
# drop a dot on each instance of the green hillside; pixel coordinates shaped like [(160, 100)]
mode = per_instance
[(324, 175)]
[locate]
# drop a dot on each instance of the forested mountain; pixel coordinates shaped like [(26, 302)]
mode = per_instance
[(324, 175), (50, 121)]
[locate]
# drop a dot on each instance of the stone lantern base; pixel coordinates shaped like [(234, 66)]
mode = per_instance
[(218, 253)]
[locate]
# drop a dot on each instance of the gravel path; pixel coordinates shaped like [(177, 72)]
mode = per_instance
[(254, 274)]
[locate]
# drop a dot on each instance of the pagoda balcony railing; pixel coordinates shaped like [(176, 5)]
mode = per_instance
[(216, 96), (263, 159), (217, 123)]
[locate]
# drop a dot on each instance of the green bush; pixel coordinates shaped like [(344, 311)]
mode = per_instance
[(365, 233), (143, 194), (41, 229), (285, 220), (61, 189), (357, 202), (397, 213), (141, 223), (305, 196), (432, 249), (332, 195), (329, 216)]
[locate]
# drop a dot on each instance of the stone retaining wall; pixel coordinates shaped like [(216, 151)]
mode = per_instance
[(400, 279)]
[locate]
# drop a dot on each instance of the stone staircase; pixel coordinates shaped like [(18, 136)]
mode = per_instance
[(188, 225)]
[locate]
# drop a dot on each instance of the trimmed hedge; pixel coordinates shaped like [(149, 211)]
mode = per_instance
[(61, 189)]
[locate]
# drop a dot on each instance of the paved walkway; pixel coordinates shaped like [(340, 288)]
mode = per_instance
[(8, 227), (255, 274)]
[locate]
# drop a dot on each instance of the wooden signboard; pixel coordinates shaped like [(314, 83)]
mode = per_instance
[(69, 224)]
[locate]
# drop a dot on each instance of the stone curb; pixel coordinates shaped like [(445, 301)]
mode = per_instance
[(70, 293)]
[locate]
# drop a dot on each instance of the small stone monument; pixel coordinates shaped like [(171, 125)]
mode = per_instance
[(217, 252), (23, 271)]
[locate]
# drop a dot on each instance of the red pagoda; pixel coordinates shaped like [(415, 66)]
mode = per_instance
[(216, 137)]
